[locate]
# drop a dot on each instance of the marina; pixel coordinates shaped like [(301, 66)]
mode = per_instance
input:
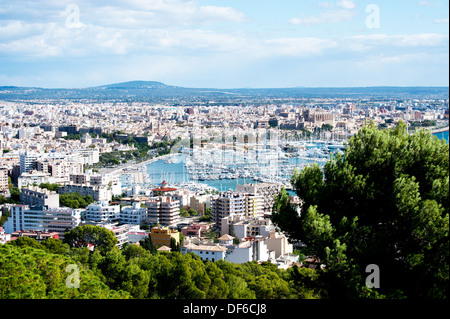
[(223, 168)]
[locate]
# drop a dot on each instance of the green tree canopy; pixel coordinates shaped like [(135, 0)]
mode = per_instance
[(31, 273), (384, 202), (80, 236)]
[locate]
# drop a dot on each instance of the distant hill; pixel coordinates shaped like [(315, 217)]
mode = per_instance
[(137, 85), (153, 91)]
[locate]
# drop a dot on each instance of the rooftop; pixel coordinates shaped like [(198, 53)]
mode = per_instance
[(206, 247), (226, 237)]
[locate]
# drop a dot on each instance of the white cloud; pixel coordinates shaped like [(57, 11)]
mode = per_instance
[(346, 4), (340, 11), (12, 30), (334, 16), (326, 5), (441, 21), (114, 27), (409, 40), (299, 47), (425, 3)]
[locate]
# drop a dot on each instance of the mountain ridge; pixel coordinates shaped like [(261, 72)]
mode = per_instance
[(157, 84), (147, 91)]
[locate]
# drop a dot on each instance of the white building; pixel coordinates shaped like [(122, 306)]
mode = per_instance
[(246, 251), (57, 219), (27, 132), (89, 156), (134, 214), (102, 212), (253, 227), (64, 168), (206, 252), (27, 160), (61, 219), (36, 178), (121, 233), (4, 237)]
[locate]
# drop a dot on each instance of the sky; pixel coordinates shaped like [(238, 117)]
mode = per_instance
[(224, 43)]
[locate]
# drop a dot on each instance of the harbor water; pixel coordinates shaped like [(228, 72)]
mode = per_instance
[(175, 170)]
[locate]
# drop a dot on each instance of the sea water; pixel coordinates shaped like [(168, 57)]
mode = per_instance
[(442, 135)]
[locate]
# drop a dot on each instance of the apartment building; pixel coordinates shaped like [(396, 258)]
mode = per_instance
[(254, 204), (57, 219), (163, 210), (253, 227), (102, 212), (39, 198), (226, 204), (134, 214), (79, 179), (120, 232), (89, 156), (4, 237), (161, 236), (61, 219), (27, 160), (263, 194), (255, 250), (200, 203), (98, 193), (64, 168), (4, 180)]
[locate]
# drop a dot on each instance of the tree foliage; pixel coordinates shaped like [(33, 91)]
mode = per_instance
[(32, 273), (29, 269), (384, 202), (100, 237)]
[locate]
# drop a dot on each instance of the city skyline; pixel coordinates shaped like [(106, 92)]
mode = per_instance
[(224, 44)]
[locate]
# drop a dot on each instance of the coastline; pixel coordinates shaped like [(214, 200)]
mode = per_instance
[(122, 167), (440, 130)]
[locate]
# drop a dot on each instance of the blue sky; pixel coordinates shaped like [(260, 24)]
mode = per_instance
[(224, 43)]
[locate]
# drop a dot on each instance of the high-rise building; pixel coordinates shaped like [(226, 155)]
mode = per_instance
[(3, 180), (226, 204), (27, 160), (261, 197), (163, 210)]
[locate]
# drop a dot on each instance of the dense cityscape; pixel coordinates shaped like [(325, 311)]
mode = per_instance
[(70, 164), (224, 158)]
